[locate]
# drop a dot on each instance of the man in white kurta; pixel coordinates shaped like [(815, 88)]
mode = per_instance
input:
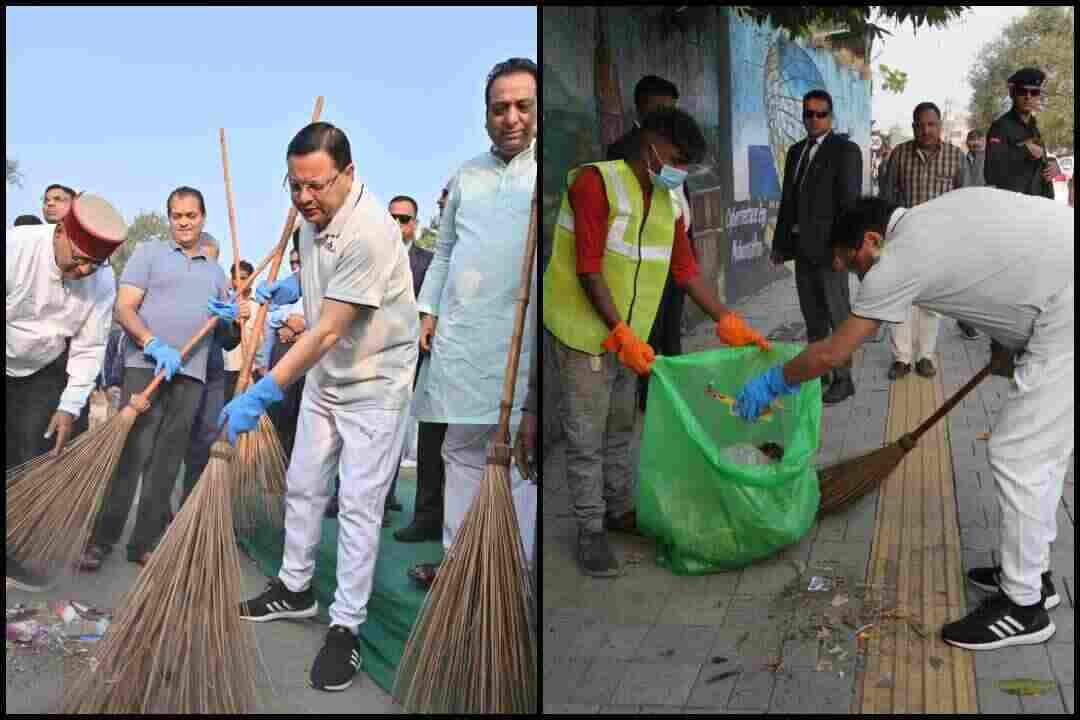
[(468, 302)]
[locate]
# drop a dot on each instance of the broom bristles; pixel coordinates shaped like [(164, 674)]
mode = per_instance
[(177, 643), (53, 501), (259, 480), (849, 480), (473, 647)]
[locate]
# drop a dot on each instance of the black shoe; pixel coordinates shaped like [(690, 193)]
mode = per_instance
[(23, 578), (332, 508), (826, 381), (989, 580), (394, 504), (595, 556), (968, 332), (997, 623), (277, 603), (839, 391), (925, 368), (338, 661), (899, 370), (418, 533)]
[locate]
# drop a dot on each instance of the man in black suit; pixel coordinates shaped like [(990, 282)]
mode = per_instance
[(822, 178), (430, 473), (652, 93)]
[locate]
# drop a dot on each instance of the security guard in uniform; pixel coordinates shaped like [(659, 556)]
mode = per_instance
[(1016, 158)]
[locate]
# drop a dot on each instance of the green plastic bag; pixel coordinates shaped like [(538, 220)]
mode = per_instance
[(707, 512)]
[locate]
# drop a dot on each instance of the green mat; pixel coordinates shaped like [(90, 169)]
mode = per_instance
[(395, 599)]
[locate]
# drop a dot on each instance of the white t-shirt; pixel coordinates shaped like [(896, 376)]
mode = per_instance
[(988, 257), (359, 258)]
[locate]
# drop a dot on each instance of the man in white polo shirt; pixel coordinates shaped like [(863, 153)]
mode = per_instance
[(59, 303), (1006, 270), (360, 348)]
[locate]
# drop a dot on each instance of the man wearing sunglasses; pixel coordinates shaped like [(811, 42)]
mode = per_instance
[(1015, 155), (822, 178), (60, 294)]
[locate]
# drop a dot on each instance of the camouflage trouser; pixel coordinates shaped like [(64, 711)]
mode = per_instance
[(597, 408)]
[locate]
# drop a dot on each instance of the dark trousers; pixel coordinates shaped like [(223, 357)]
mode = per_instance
[(284, 414), (824, 297), (204, 431), (430, 470), (666, 335), (154, 449), (31, 402)]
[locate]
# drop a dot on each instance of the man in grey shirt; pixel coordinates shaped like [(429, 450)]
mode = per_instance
[(161, 304)]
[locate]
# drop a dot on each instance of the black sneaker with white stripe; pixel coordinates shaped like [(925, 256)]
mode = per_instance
[(338, 661), (997, 623), (278, 603), (989, 580)]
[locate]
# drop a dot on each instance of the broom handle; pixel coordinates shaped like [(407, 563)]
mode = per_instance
[(209, 326), (232, 221), (260, 316), (949, 405), (510, 378)]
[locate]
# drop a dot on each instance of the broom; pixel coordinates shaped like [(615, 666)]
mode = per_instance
[(473, 647), (259, 473), (54, 499), (178, 644), (848, 480)]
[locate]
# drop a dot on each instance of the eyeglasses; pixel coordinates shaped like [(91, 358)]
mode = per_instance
[(807, 114), (1028, 92), (94, 263), (402, 219), (297, 186)]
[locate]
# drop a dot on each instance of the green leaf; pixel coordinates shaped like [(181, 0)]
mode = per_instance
[(1026, 687)]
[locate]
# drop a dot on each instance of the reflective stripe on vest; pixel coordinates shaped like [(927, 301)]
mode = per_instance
[(637, 257)]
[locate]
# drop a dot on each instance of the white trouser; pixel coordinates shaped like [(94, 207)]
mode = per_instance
[(368, 444), (1030, 447), (922, 325), (465, 455)]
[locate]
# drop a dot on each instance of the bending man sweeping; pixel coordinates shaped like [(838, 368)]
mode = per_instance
[(1007, 270), (360, 348)]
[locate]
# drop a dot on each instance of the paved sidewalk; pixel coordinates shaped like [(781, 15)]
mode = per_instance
[(743, 641)]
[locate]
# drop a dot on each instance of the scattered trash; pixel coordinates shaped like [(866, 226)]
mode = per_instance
[(799, 565), (722, 676), (1026, 687), (936, 663), (824, 665), (634, 558), (746, 454), (742, 639), (885, 683), (717, 660), (835, 650), (982, 436), (774, 666), (820, 584), (839, 600)]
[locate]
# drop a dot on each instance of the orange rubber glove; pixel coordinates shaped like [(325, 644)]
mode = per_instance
[(633, 352), (734, 331)]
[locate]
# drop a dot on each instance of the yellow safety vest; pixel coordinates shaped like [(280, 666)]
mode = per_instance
[(637, 256)]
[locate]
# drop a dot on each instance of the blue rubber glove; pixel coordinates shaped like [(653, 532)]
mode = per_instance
[(762, 390), (166, 358), (225, 311), (283, 292), (243, 411)]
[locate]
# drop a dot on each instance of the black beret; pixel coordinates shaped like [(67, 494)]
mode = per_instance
[(1028, 76)]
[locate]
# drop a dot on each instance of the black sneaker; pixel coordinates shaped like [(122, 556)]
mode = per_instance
[(899, 370), (595, 556), (338, 661), (968, 332), (277, 603), (999, 623), (23, 578), (989, 580)]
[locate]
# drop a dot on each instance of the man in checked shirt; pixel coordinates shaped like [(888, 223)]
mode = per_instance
[(918, 171)]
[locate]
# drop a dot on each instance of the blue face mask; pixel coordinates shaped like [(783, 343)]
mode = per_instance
[(670, 178)]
